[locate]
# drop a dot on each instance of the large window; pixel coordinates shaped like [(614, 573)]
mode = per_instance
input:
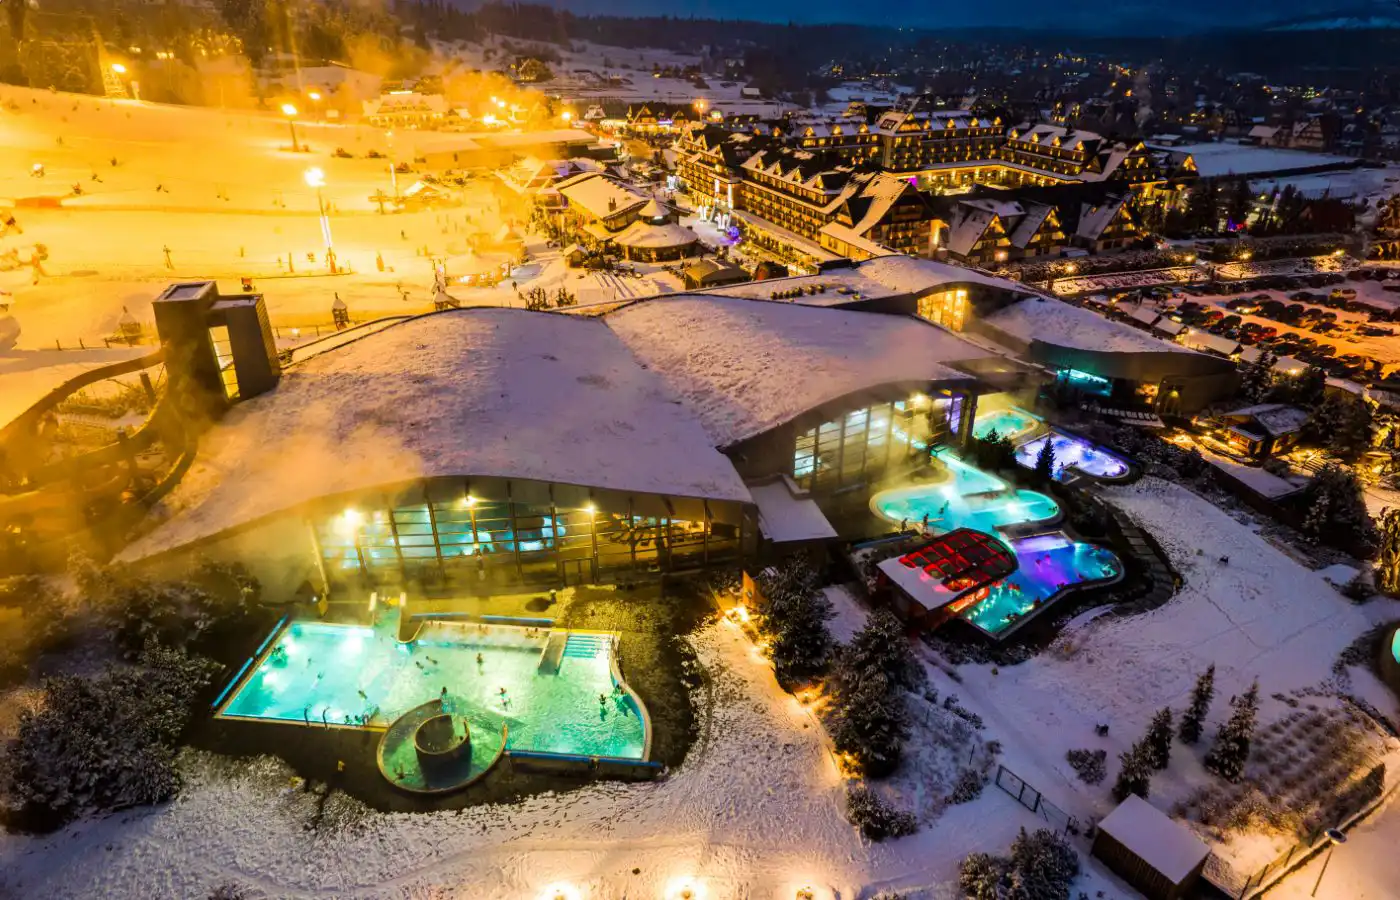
[(223, 353), (860, 444), (450, 531), (946, 308)]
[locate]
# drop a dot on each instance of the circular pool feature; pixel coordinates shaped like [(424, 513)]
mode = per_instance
[(428, 750), (440, 743), (1074, 454)]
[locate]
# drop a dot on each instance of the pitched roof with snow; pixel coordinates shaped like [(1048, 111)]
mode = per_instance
[(1169, 847), (599, 196), (744, 367), (1276, 418), (486, 392)]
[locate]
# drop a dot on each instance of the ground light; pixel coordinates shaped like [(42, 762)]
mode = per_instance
[(560, 890), (685, 888), (119, 68), (316, 178)]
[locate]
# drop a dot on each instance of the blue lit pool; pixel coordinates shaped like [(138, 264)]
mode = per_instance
[(1072, 452), (321, 673), (1048, 563), (1011, 422)]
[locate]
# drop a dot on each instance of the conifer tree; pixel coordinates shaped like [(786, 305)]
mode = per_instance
[(1045, 461), (1159, 739), (1231, 750), (1194, 718), (1135, 773)]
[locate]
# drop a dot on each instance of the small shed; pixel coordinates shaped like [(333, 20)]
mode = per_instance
[(1159, 857), (708, 273)]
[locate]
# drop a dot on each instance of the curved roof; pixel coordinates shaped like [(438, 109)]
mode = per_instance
[(484, 392), (747, 366)]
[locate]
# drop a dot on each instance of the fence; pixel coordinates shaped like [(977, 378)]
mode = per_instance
[(1035, 801), (1365, 796)]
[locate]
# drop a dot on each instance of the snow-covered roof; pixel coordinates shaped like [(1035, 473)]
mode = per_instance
[(1276, 418), (599, 195), (786, 515), (1169, 847), (1204, 340), (1056, 322), (1214, 160), (747, 366), (645, 234), (488, 392)]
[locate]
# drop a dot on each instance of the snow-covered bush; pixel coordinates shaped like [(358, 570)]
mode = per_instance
[(793, 616), (876, 818), (216, 599), (227, 892), (1089, 765), (968, 787), (868, 718), (1042, 866), (102, 743)]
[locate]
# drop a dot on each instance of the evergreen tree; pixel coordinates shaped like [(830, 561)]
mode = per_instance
[(1231, 750), (1193, 720), (1388, 558), (1258, 381), (1203, 207), (1045, 461), (1043, 865), (1337, 513), (1135, 773), (870, 722), (799, 641), (880, 648), (1342, 422), (1240, 203), (1158, 740)]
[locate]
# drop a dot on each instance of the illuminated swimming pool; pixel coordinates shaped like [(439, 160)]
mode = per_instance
[(319, 673), (1048, 564), (1011, 422), (1073, 452)]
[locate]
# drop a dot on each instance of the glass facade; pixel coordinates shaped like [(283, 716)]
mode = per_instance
[(448, 533), (946, 308), (863, 443)]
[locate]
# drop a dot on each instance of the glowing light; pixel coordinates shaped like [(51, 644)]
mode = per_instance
[(560, 890), (488, 119), (353, 517), (119, 68), (685, 888), (500, 104), (469, 501), (288, 109), (314, 95), (315, 177), (566, 115), (590, 508)]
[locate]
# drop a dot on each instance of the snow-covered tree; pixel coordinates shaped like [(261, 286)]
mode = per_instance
[(1337, 513), (1134, 773), (984, 876), (1193, 720), (1043, 865), (799, 641), (1341, 422), (869, 721), (1045, 461), (1388, 558), (876, 818), (1231, 750), (1158, 740), (1258, 380), (881, 647)]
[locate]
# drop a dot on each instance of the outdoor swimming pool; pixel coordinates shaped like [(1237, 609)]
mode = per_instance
[(1047, 563), (1011, 422), (320, 673), (1073, 452)]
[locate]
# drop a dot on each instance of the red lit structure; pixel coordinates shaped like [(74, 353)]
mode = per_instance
[(947, 575)]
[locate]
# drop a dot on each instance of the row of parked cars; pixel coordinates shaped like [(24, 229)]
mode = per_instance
[(1279, 340)]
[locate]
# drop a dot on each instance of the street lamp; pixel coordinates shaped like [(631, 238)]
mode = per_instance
[(119, 68), (566, 116), (317, 179), (1334, 837), (290, 112)]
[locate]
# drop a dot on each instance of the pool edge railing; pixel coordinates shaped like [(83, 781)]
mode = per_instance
[(256, 657)]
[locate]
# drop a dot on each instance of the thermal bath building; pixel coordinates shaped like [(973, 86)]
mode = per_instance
[(501, 449)]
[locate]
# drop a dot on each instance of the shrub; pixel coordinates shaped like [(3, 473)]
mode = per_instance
[(876, 818), (216, 600), (1089, 765), (968, 786), (869, 721), (103, 743), (1042, 866)]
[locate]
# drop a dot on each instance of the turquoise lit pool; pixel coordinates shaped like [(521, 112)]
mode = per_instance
[(1048, 564), (1011, 422), (320, 673), (1072, 452)]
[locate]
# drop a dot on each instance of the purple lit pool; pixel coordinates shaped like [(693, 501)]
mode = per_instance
[(1072, 452)]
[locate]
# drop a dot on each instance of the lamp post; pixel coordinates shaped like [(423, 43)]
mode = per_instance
[(317, 179), (393, 172), (1334, 837), (290, 112)]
